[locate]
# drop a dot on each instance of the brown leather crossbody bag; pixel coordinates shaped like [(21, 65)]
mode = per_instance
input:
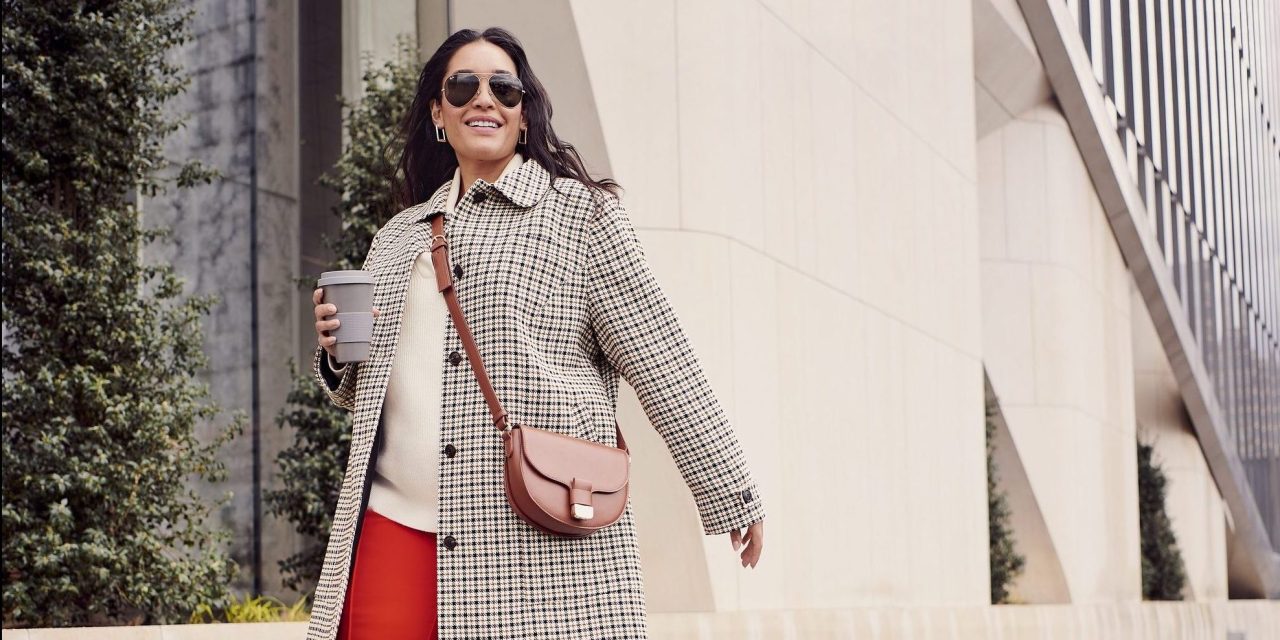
[(560, 484)]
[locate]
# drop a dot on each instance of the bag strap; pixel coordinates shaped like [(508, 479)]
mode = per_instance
[(444, 281)]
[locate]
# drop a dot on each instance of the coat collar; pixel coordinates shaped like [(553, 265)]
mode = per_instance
[(523, 186)]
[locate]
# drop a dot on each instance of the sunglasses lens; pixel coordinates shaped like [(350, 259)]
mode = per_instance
[(460, 87), (507, 89)]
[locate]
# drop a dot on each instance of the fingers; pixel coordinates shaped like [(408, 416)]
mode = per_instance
[(325, 310), (753, 540), (736, 537), (323, 340), (751, 554), (327, 325), (323, 326)]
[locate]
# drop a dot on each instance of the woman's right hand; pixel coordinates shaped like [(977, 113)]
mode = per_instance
[(323, 327)]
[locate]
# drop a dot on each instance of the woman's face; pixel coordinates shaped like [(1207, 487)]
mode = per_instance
[(477, 143)]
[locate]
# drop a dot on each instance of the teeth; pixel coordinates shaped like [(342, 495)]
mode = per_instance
[(483, 123)]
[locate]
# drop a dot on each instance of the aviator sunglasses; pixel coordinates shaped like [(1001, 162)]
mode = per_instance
[(506, 88)]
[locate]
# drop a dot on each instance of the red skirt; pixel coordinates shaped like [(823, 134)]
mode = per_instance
[(392, 592)]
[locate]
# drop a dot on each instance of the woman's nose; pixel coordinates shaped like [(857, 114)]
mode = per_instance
[(484, 96)]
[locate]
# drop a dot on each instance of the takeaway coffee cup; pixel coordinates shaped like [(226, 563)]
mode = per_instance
[(352, 293)]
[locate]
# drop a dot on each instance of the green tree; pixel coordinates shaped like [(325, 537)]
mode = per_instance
[(311, 469), (1006, 562), (1163, 575), (99, 400)]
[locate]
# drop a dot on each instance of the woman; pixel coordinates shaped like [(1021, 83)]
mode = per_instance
[(554, 285)]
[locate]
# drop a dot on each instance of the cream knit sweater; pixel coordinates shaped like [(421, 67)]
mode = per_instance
[(405, 484)]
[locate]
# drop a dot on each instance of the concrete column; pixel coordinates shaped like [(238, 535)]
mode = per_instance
[(1195, 507), (1057, 346)]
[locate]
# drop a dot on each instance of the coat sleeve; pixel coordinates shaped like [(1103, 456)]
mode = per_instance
[(340, 383), (643, 339), (341, 387)]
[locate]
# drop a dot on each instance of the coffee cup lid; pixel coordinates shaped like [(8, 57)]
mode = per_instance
[(349, 276)]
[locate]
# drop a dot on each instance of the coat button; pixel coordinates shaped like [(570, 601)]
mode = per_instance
[(746, 496), (480, 197), (449, 542), (457, 271), (450, 450), (455, 357)]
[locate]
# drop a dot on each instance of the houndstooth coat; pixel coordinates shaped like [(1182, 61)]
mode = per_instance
[(555, 287)]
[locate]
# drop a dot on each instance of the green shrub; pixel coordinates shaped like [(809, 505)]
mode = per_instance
[(1006, 562), (311, 469), (253, 609), (100, 400), (1163, 575), (310, 473)]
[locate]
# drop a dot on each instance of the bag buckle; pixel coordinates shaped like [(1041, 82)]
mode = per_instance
[(504, 423), (580, 499)]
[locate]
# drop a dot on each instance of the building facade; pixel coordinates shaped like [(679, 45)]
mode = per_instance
[(874, 218)]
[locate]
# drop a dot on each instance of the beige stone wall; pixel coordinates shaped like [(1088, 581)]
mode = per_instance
[(1057, 346), (804, 184)]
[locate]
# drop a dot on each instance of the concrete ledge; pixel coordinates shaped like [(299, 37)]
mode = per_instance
[(1251, 619), (1247, 619), (239, 631)]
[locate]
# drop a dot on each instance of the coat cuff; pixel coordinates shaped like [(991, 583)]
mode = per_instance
[(735, 508), (340, 385)]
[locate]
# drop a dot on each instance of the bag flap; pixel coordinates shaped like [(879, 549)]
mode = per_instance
[(605, 467)]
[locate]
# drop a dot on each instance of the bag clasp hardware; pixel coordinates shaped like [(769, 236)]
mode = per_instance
[(580, 497)]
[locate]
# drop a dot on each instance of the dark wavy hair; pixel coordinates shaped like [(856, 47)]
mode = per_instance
[(426, 164)]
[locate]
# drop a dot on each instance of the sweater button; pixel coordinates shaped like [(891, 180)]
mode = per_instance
[(455, 357), (449, 542), (450, 450)]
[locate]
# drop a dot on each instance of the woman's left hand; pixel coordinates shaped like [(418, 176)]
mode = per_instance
[(754, 540)]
